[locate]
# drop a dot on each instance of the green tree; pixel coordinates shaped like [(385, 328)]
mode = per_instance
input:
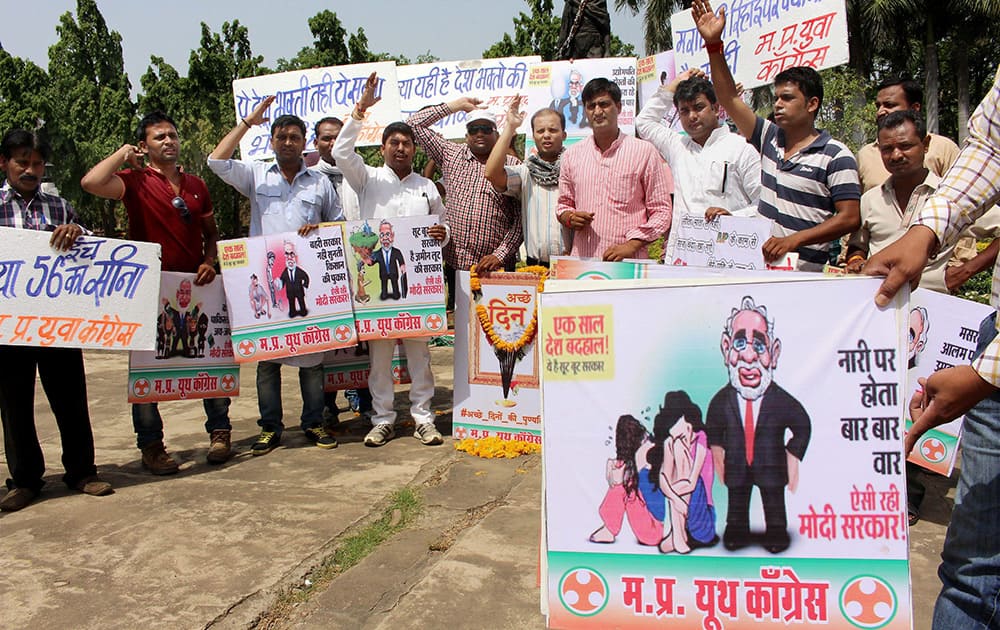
[(656, 20), (24, 91), (332, 45), (95, 110)]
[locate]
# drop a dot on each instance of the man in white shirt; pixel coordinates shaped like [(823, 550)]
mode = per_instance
[(284, 196), (715, 171), (392, 190)]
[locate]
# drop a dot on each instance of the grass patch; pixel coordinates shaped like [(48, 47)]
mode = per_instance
[(403, 508)]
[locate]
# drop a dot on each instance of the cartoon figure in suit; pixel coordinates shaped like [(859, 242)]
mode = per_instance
[(391, 264), (746, 426), (295, 280), (571, 102)]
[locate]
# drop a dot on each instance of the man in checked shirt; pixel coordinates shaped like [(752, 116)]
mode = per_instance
[(23, 205), (485, 225), (970, 567)]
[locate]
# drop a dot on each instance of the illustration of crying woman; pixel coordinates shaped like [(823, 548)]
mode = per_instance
[(661, 483)]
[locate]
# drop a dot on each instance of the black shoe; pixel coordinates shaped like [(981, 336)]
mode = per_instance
[(319, 437), (266, 442), (776, 543), (734, 542), (694, 543)]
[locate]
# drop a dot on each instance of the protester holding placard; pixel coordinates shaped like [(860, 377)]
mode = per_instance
[(535, 182), (638, 210), (970, 564), (390, 191), (284, 196), (23, 205), (810, 184), (715, 170), (165, 205), (485, 226)]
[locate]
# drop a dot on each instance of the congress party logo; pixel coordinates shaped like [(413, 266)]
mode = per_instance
[(593, 275), (228, 382), (583, 591), (933, 450), (141, 387), (246, 348), (868, 602)]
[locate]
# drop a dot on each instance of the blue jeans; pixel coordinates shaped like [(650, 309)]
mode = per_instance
[(970, 562), (148, 424), (269, 396)]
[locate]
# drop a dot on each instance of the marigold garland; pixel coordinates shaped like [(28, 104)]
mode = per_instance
[(517, 347), (495, 448)]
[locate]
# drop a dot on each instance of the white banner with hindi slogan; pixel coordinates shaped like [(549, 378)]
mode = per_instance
[(99, 294), (764, 37), (314, 94), (494, 81)]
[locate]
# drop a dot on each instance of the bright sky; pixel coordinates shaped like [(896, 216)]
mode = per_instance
[(279, 28)]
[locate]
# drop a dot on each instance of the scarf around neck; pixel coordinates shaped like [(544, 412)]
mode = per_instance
[(542, 172)]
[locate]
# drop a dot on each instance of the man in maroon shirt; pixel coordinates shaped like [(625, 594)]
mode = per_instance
[(165, 205)]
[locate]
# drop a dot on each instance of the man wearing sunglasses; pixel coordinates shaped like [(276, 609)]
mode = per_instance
[(165, 205), (485, 225)]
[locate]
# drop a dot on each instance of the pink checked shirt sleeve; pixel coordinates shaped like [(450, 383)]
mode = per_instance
[(658, 185), (966, 192)]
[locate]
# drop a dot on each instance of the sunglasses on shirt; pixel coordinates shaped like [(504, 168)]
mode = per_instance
[(178, 202)]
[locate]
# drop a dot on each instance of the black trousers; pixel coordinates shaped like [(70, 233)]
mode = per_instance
[(65, 385), (775, 520)]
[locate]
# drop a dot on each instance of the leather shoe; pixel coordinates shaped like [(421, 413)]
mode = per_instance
[(94, 486), (16, 499)]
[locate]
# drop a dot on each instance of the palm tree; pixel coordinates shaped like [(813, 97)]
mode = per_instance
[(656, 22)]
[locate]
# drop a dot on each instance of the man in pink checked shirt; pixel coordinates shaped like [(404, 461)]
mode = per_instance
[(614, 189)]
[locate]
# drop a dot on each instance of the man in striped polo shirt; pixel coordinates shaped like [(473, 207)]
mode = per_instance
[(809, 181)]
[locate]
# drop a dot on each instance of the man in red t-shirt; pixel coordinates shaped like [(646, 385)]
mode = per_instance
[(165, 205)]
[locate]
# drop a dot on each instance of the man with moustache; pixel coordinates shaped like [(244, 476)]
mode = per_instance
[(284, 196), (326, 132), (614, 189), (485, 226), (24, 205), (393, 190), (716, 172), (165, 205), (535, 182), (746, 425)]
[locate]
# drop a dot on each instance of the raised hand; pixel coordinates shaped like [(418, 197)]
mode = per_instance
[(710, 25), (514, 114), (368, 97), (258, 115)]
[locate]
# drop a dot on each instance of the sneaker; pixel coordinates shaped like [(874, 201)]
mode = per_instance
[(94, 486), (380, 434), (266, 442), (428, 434), (220, 446), (156, 460), (16, 499), (319, 437)]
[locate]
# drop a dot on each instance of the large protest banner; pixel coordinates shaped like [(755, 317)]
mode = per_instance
[(194, 351), (647, 409), (313, 94), (559, 85), (99, 294), (398, 286), (496, 392), (495, 81), (348, 368), (763, 38), (288, 295), (727, 242), (942, 331)]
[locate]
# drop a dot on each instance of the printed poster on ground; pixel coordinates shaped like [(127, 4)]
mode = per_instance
[(762, 39), (494, 81), (100, 294), (942, 332), (194, 351), (348, 368), (288, 295), (397, 277), (496, 393), (727, 242), (313, 94), (720, 466)]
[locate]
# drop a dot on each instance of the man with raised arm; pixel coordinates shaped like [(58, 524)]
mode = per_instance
[(614, 189), (284, 196), (715, 171), (23, 205), (809, 181), (165, 205), (535, 182), (392, 190), (485, 226), (970, 567)]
